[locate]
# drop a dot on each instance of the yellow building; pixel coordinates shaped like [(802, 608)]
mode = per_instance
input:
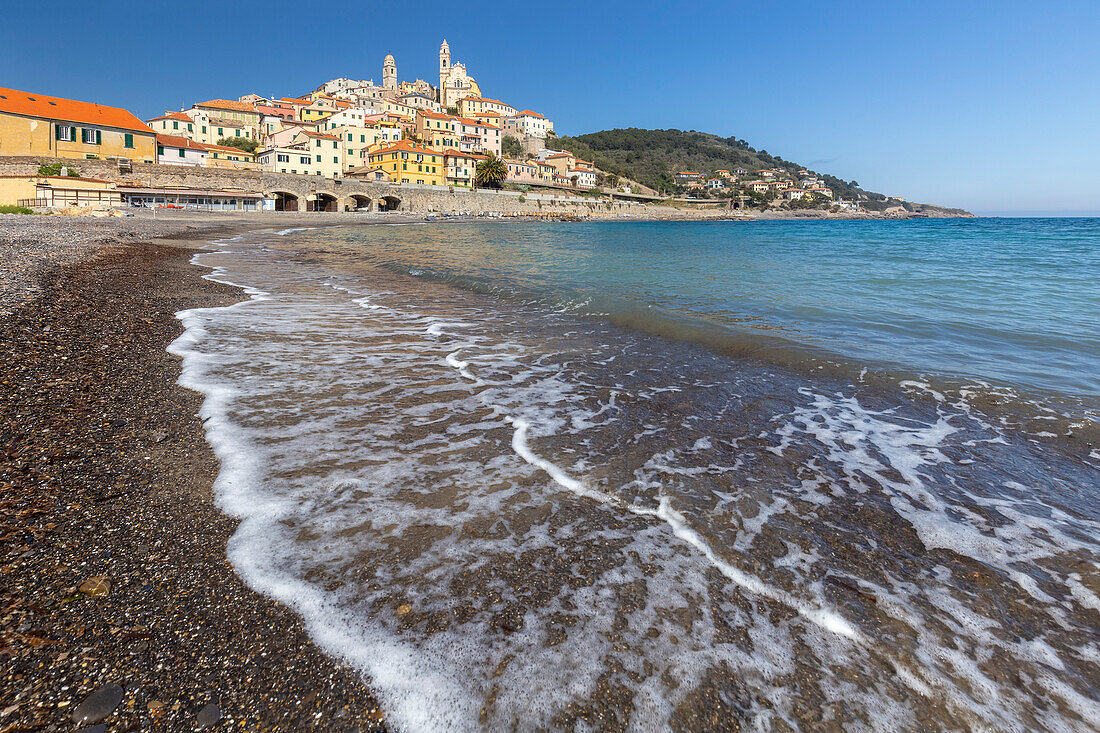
[(408, 163), (437, 131), (57, 191), (35, 124)]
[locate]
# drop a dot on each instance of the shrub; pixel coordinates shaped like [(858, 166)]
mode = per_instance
[(6, 209), (240, 143), (54, 169)]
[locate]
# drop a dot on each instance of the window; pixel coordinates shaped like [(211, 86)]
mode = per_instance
[(318, 145), (183, 153), (283, 158), (128, 140), (221, 132), (304, 159), (175, 125), (189, 127), (90, 137), (318, 158), (335, 159), (160, 150), (66, 132), (204, 129)]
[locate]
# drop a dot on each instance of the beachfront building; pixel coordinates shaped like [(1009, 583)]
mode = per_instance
[(178, 150), (461, 167), (38, 124), (409, 163), (563, 163), (686, 178), (286, 159), (57, 192), (715, 183), (546, 172), (723, 173), (328, 155)]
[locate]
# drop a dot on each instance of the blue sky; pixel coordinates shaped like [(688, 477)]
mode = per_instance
[(989, 105)]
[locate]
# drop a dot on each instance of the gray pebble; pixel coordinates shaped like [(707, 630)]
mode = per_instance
[(209, 715), (98, 705)]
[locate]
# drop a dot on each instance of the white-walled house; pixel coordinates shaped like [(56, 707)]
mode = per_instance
[(177, 150)]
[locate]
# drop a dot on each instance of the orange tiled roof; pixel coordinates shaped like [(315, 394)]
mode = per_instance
[(176, 141), (486, 99), (228, 149), (407, 147), (173, 116), (68, 110), (228, 104), (529, 113), (322, 135), (459, 154), (296, 100)]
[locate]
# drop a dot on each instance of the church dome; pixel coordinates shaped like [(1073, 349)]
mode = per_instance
[(389, 59)]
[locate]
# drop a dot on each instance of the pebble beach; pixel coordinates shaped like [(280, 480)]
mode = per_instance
[(120, 611)]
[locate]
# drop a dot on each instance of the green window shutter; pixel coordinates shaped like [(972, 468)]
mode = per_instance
[(175, 125), (129, 140), (160, 150), (57, 132), (98, 137), (204, 129), (189, 128)]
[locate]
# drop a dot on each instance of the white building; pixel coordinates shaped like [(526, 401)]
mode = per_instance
[(286, 159), (177, 150)]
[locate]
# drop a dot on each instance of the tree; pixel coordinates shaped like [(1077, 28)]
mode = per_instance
[(511, 146), (574, 179), (240, 143), (452, 110), (491, 172)]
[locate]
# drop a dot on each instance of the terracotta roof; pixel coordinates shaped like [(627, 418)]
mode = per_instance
[(437, 115), (68, 110), (459, 154), (229, 149), (486, 99), (561, 155), (479, 123), (406, 147), (529, 113), (173, 116), (322, 135), (227, 104), (176, 141), (295, 100)]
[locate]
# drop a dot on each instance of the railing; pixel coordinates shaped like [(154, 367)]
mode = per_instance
[(33, 203)]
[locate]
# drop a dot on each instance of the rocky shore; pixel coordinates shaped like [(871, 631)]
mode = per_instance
[(120, 611)]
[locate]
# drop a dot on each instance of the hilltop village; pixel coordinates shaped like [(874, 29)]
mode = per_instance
[(407, 134)]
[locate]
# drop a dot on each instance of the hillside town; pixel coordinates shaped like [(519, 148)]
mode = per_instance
[(404, 133)]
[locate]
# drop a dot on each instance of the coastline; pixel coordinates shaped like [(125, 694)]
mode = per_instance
[(108, 475)]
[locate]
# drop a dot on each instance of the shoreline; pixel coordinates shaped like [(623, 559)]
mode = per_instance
[(109, 476)]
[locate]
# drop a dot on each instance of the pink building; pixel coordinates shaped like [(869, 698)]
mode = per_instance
[(521, 172)]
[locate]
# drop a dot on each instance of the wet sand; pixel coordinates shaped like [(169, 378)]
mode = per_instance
[(113, 560)]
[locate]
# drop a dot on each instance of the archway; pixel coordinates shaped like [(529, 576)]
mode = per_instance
[(358, 202), (285, 201), (389, 203), (322, 202)]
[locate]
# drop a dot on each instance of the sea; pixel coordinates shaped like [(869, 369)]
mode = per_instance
[(779, 475)]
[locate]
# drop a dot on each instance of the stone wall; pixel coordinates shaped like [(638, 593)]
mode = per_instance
[(348, 193)]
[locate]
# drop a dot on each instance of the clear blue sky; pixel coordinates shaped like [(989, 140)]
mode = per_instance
[(991, 105)]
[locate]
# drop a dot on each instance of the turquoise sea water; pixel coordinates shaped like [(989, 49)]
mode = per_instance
[(647, 476), (1013, 301)]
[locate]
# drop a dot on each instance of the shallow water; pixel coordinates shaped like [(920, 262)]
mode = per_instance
[(628, 475)]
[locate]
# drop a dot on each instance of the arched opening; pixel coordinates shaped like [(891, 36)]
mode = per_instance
[(389, 203), (285, 201), (321, 202), (358, 202)]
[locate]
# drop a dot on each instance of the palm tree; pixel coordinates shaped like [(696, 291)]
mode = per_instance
[(491, 172)]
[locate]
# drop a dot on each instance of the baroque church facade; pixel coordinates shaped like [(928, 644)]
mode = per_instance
[(454, 82)]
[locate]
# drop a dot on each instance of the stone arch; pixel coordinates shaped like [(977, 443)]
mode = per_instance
[(358, 202), (284, 200), (389, 203), (321, 201)]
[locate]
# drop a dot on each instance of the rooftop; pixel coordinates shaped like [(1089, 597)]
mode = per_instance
[(68, 110)]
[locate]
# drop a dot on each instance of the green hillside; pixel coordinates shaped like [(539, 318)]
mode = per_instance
[(652, 157)]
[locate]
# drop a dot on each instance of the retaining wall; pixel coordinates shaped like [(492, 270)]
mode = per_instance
[(349, 193)]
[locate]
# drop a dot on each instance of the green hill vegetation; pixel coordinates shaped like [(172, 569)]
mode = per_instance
[(652, 157)]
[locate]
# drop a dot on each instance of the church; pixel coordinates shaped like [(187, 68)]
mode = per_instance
[(454, 82)]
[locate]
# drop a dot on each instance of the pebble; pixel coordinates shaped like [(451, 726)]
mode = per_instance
[(98, 705), (95, 586), (209, 715)]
